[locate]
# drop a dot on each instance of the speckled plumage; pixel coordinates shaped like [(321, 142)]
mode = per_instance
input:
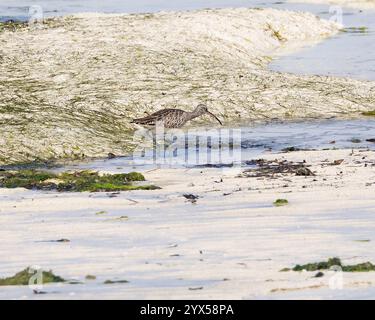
[(174, 118)]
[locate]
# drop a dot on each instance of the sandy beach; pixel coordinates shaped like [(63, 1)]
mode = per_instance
[(230, 244)]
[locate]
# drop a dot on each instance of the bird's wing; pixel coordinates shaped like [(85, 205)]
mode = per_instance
[(154, 117)]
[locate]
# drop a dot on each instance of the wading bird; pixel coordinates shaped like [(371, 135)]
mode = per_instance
[(174, 118)]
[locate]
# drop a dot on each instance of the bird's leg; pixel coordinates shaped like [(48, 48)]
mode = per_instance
[(159, 141)]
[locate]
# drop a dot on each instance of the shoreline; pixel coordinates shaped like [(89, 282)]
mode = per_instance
[(104, 70), (75, 164)]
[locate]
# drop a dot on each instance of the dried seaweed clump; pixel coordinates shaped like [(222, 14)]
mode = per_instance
[(276, 167)]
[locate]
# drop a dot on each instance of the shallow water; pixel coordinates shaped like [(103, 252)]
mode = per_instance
[(240, 145), (349, 54)]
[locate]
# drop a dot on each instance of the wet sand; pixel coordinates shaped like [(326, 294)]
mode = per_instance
[(230, 244)]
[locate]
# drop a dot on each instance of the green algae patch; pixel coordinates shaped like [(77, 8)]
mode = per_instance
[(107, 187), (78, 181), (275, 33), (115, 281), (12, 25), (285, 269), (319, 265), (360, 267), (369, 113), (280, 202), (362, 29), (24, 178), (101, 212), (22, 278), (331, 262)]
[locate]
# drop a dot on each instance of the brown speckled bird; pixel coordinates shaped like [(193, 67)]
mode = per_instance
[(174, 118)]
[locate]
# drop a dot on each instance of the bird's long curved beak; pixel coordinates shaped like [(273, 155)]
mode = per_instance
[(213, 116)]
